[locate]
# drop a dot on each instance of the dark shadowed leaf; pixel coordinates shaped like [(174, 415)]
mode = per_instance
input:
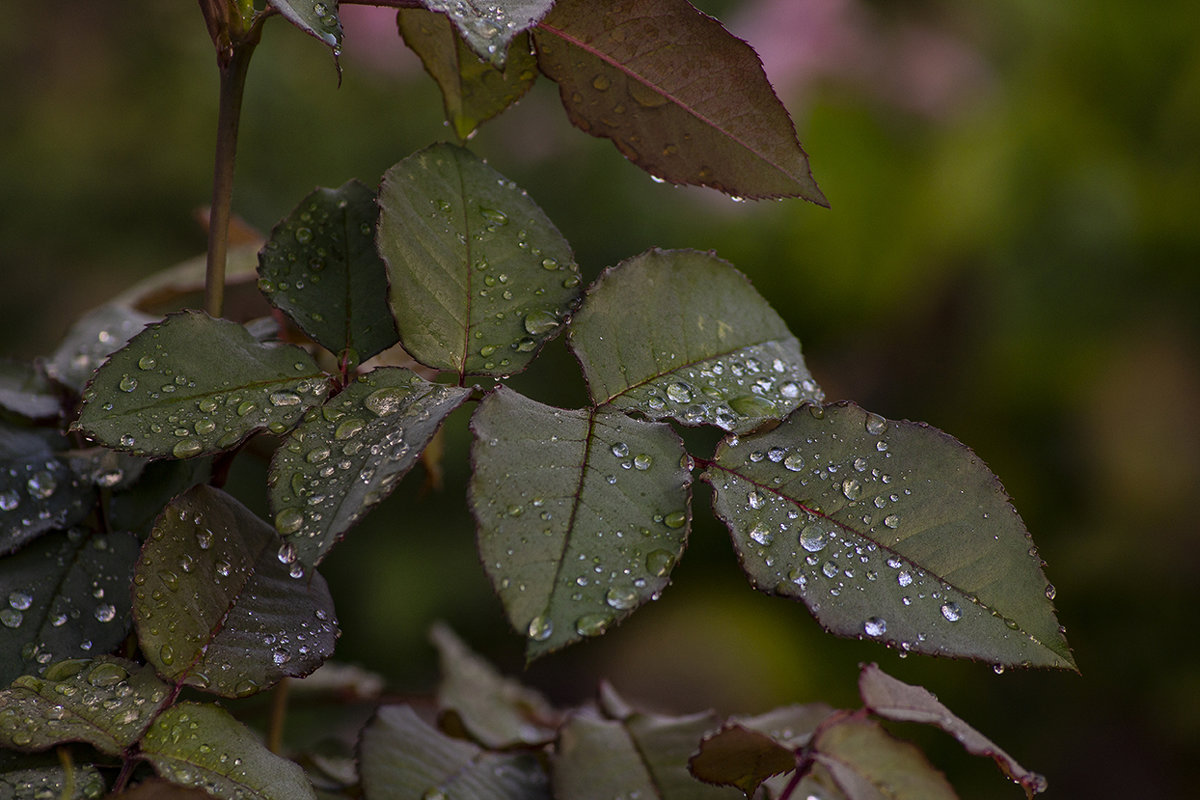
[(64, 596), (204, 747), (221, 603), (45, 778), (193, 385), (90, 340), (317, 19), (678, 94), (790, 726), (473, 91), (493, 710), (682, 334), (39, 491), (349, 454), (480, 277), (581, 514), (887, 530), (157, 789), (106, 703), (323, 250), (893, 699), (642, 755), (136, 508), (866, 763), (488, 26), (741, 757), (25, 391), (402, 756)]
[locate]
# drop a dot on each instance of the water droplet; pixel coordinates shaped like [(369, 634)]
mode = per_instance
[(601, 83), (951, 611), (789, 389), (493, 215), (904, 578), (41, 484), (679, 392), (874, 626), (166, 654), (383, 402), (829, 569), (147, 362), (659, 562), (21, 601), (643, 461), (286, 553), (186, 448), (540, 322), (875, 424), (998, 669), (433, 793), (813, 538), (675, 519), (776, 454), (620, 449), (755, 499), (317, 455), (106, 612), (892, 521), (9, 500), (127, 383), (107, 674), (349, 428), (1051, 592), (204, 538), (752, 406), (540, 628), (591, 624), (289, 520), (851, 488), (762, 535), (304, 235), (621, 597), (284, 399), (281, 657), (793, 463)]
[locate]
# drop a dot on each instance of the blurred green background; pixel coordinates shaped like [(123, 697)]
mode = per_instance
[(1012, 254)]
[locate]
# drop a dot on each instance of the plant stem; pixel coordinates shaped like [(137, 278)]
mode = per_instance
[(233, 82), (279, 698)]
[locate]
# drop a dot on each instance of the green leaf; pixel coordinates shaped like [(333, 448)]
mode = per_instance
[(91, 339), (25, 391), (106, 703), (683, 335), (581, 514), (193, 385), (349, 454), (866, 763), (320, 268), (887, 530), (679, 95), (889, 698), (49, 781), (489, 27), (643, 754), (473, 91), (317, 19), (740, 757), (64, 596), (480, 276), (137, 507), (402, 756), (220, 602), (203, 746), (495, 711), (39, 492)]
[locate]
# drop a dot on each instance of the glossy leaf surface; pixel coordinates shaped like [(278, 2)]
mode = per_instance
[(642, 755), (22, 780), (896, 700), (64, 596), (887, 530), (25, 391), (488, 26), (683, 335), (106, 703), (221, 603), (581, 514), (92, 337), (495, 711), (480, 277), (203, 746), (39, 491), (325, 250), (349, 454), (317, 19), (402, 756), (473, 91), (866, 763), (192, 385), (678, 94)]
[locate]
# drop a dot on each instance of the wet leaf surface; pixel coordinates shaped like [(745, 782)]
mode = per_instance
[(24, 781), (581, 514), (221, 602), (193, 385), (480, 277), (473, 91), (488, 26), (402, 756), (107, 703), (683, 335), (866, 763), (317, 19), (39, 491), (90, 340), (64, 596), (887, 530), (25, 391), (492, 710), (896, 700), (679, 95), (350, 453), (136, 508), (326, 249), (204, 747)]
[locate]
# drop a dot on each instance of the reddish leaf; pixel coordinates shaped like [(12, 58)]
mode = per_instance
[(741, 757)]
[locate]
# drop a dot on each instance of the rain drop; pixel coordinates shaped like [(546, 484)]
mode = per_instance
[(679, 392), (540, 322), (621, 597), (187, 448), (289, 520), (384, 401), (875, 424), (793, 463), (875, 626), (128, 383), (675, 519), (643, 461), (21, 601), (659, 562), (813, 539), (951, 611), (540, 628), (591, 624)]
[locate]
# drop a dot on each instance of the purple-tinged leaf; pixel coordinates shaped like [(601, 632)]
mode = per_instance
[(867, 763)]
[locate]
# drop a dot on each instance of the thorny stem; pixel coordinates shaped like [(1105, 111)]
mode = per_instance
[(233, 82)]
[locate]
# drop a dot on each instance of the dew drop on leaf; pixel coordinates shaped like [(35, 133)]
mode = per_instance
[(540, 628), (951, 611), (591, 625), (875, 626)]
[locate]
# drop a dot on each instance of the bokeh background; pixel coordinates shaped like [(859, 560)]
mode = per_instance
[(1012, 254)]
